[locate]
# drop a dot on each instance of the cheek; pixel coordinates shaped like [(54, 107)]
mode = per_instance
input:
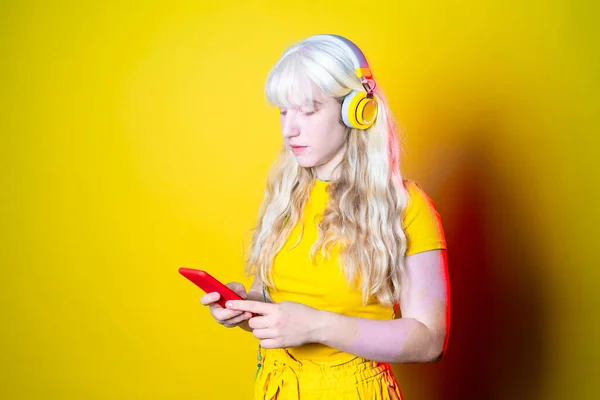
[(336, 133), (330, 127), (333, 140), (323, 136)]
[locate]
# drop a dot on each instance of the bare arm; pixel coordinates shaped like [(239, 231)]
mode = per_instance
[(421, 335)]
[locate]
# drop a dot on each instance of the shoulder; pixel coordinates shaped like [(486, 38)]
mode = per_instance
[(421, 221), (418, 201), (414, 188)]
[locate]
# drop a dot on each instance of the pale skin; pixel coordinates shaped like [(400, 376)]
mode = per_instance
[(320, 130), (420, 335)]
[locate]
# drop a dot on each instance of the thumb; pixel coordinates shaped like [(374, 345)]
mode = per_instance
[(238, 288)]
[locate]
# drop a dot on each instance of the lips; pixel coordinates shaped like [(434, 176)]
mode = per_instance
[(298, 149)]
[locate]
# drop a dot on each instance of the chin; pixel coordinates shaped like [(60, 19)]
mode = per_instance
[(305, 163)]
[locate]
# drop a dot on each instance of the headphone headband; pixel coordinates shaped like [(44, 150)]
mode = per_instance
[(361, 65)]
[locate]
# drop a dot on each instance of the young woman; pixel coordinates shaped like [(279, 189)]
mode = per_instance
[(343, 242)]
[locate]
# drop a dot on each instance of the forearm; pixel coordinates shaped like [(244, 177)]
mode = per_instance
[(404, 340)]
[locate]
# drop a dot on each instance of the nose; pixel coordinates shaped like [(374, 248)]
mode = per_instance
[(289, 125)]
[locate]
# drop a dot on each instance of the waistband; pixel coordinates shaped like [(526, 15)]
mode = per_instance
[(280, 368)]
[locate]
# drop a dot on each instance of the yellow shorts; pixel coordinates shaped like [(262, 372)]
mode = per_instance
[(282, 377)]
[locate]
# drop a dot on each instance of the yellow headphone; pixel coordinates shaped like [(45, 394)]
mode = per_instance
[(359, 109)]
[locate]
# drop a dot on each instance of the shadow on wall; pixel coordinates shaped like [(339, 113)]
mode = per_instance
[(496, 348)]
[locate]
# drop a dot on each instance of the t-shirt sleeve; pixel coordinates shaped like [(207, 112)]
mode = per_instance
[(422, 223)]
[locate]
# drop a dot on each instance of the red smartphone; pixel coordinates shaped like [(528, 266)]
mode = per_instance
[(209, 284)]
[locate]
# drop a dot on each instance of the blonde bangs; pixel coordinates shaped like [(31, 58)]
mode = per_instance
[(298, 79), (289, 84)]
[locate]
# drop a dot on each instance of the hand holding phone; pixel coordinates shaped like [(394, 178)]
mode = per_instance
[(209, 284), (224, 316)]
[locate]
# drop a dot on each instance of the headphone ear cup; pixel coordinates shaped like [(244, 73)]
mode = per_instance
[(359, 111), (349, 107)]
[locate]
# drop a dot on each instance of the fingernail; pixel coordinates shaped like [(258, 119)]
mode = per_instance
[(229, 304)]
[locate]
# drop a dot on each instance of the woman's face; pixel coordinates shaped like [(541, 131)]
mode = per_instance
[(316, 136)]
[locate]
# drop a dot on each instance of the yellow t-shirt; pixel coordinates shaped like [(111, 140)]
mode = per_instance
[(323, 286)]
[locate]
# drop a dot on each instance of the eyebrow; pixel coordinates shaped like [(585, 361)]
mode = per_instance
[(315, 102)]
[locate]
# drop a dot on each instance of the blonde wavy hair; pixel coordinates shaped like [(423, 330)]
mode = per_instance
[(366, 201)]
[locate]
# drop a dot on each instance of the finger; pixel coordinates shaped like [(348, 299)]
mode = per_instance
[(270, 343), (255, 307), (266, 333), (223, 314), (209, 298), (259, 322), (230, 323)]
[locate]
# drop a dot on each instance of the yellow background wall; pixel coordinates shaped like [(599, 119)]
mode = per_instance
[(135, 139)]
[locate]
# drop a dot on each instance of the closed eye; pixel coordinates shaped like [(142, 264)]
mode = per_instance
[(310, 112)]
